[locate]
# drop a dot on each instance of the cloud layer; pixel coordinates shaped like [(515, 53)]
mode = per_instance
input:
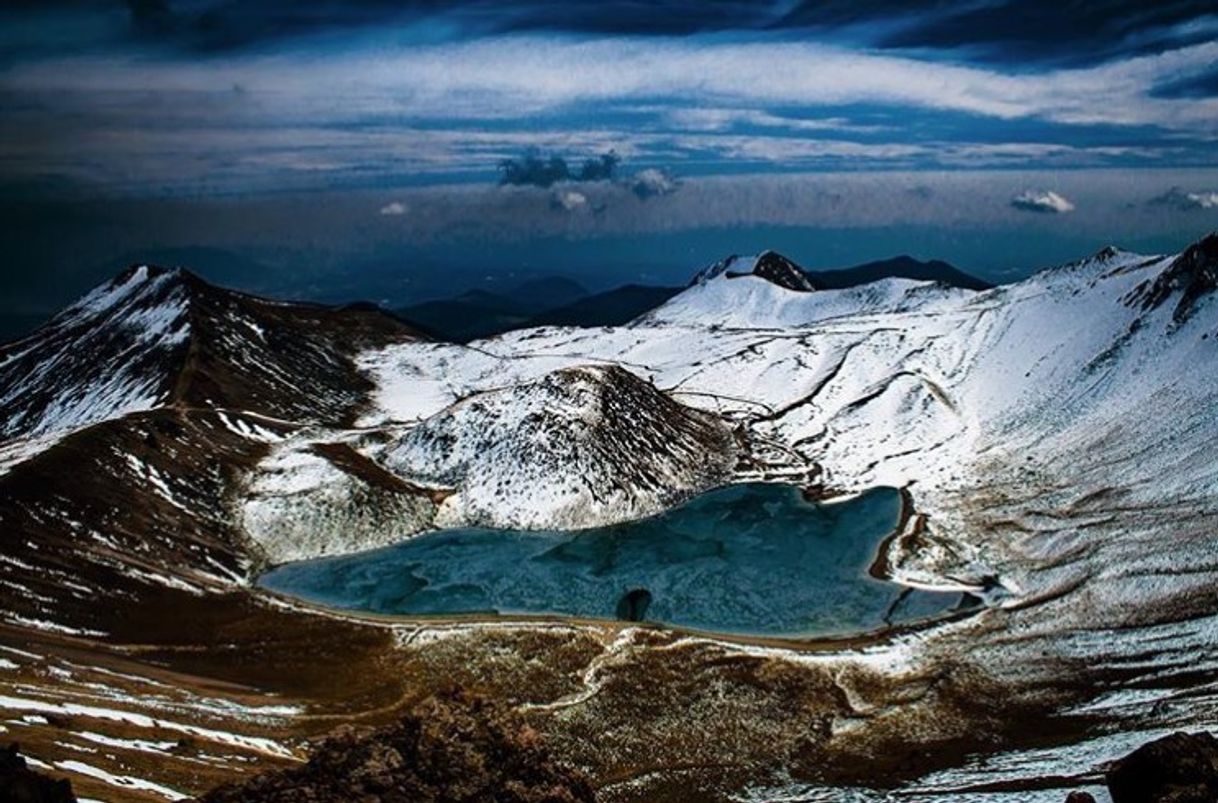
[(370, 93)]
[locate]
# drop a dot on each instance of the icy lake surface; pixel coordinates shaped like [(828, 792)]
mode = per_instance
[(756, 559)]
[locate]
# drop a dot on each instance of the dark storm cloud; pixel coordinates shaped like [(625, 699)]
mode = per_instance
[(1023, 31), (537, 170), (1031, 32), (230, 25)]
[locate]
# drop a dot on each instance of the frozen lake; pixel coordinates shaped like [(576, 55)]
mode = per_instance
[(755, 559)]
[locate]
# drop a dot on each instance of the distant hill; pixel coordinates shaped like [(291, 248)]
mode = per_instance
[(480, 313), (614, 307), (902, 267)]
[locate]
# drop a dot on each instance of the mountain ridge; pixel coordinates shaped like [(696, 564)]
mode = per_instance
[(477, 315), (152, 336)]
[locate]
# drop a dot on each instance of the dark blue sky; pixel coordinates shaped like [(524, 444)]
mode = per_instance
[(381, 125)]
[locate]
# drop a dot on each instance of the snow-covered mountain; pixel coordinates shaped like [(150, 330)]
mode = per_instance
[(576, 447), (164, 439), (154, 337), (902, 382)]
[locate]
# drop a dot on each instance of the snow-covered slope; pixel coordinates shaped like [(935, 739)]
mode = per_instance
[(751, 302), (578, 447), (110, 353), (309, 499), (897, 382), (153, 337), (769, 291)]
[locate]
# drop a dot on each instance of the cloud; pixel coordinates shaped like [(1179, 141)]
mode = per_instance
[(600, 168), (1177, 198), (1047, 31), (652, 182), (534, 169), (1044, 201), (1002, 31), (394, 208), (356, 112), (570, 200)]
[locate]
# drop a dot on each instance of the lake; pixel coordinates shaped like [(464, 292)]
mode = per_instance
[(753, 559)]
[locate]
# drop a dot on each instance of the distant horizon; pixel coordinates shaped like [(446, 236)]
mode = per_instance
[(438, 241), (499, 283)]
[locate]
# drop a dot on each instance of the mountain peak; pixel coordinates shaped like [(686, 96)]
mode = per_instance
[(152, 337), (769, 265), (777, 269), (1194, 272)]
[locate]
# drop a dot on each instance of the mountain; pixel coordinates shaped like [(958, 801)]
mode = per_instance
[(768, 265), (547, 292), (784, 273), (901, 267), (480, 313), (153, 337), (615, 307), (165, 440)]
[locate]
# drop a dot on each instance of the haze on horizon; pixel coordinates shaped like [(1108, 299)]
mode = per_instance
[(348, 150)]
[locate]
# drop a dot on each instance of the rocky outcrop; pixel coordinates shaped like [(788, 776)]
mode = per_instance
[(1194, 274), (454, 747), (1180, 768), (769, 265), (633, 605), (20, 784)]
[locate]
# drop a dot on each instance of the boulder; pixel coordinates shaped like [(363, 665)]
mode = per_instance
[(632, 607), (20, 784), (1180, 768)]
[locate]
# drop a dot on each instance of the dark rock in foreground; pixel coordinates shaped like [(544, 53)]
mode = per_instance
[(20, 784), (455, 747), (1180, 768)]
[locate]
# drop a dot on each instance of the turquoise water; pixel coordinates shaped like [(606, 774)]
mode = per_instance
[(755, 559)]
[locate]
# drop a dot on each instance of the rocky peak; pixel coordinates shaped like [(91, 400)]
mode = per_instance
[(774, 267), (769, 265), (1194, 274)]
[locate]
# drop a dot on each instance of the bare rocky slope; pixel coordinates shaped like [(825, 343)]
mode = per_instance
[(578, 447)]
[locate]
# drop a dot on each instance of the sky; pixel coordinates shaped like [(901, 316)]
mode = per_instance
[(398, 150)]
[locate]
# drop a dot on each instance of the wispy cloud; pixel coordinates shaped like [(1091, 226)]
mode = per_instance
[(435, 111)]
